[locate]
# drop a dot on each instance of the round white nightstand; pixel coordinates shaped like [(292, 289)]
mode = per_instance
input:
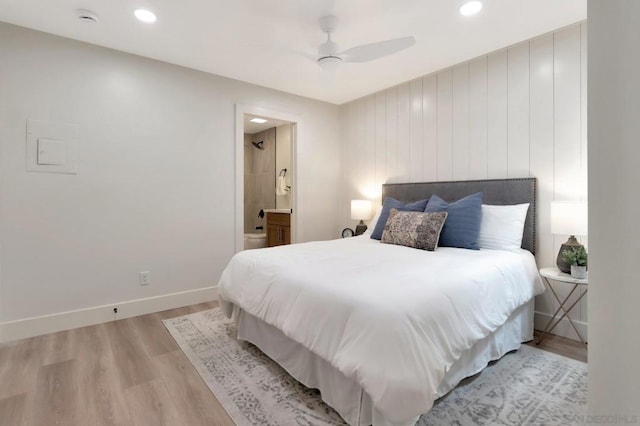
[(554, 274)]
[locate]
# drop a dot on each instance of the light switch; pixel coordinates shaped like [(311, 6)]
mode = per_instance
[(52, 152)]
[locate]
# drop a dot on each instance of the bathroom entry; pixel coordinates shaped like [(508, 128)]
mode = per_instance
[(268, 186)]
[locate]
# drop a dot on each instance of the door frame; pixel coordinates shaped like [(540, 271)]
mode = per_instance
[(294, 119)]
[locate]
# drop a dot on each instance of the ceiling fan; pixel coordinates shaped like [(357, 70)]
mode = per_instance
[(328, 54)]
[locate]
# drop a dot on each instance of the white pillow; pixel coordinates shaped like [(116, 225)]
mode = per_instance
[(501, 227), (372, 224)]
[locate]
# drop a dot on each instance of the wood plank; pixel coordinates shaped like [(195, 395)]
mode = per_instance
[(415, 130), (344, 152), (381, 144), (460, 139), (20, 371), (12, 410), (497, 115), (152, 333), (369, 151), (56, 396), (404, 142), (541, 153), (57, 347), (347, 146), (129, 355), (99, 385), (359, 160), (445, 125), (518, 110), (478, 141), (429, 128), (351, 165), (150, 404), (203, 306), (392, 135), (560, 346), (194, 400), (584, 177), (567, 130), (172, 313)]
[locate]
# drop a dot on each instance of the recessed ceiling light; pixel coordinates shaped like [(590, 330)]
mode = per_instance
[(87, 16), (258, 120), (470, 8), (145, 15)]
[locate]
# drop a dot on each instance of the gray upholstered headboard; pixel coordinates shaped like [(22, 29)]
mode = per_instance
[(495, 191)]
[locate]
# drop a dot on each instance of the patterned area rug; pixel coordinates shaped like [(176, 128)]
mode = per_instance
[(529, 386)]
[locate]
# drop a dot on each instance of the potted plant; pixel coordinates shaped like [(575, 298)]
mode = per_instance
[(577, 258)]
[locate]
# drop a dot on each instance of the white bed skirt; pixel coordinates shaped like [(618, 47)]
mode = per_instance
[(344, 394)]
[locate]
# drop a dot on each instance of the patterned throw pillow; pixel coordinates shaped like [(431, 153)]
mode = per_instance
[(392, 203), (414, 229)]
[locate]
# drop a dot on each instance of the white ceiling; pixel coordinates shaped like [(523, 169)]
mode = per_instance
[(256, 40)]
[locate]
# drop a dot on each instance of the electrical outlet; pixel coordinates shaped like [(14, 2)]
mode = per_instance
[(145, 278)]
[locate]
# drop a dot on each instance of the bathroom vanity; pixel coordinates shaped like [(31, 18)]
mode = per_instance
[(278, 227)]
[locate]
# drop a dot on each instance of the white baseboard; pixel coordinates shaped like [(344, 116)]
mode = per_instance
[(563, 329), (29, 327)]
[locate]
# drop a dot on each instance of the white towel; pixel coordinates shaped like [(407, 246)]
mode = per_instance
[(281, 186)]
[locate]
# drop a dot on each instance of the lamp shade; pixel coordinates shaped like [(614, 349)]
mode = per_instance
[(361, 209), (569, 218)]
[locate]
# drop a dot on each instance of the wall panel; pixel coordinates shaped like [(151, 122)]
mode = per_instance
[(445, 125), (369, 148), (478, 119), (584, 178), (567, 130), (498, 114), (541, 148), (429, 129), (381, 144), (517, 112), (460, 121), (416, 144), (404, 131), (391, 135)]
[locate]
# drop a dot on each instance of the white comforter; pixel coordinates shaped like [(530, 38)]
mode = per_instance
[(393, 318)]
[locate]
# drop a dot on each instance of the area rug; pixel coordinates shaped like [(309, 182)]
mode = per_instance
[(529, 386)]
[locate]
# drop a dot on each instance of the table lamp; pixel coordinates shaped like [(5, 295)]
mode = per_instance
[(568, 218), (361, 210)]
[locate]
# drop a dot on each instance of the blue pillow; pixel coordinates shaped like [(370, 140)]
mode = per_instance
[(462, 227), (392, 203)]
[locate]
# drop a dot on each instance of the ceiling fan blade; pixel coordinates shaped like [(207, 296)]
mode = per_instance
[(369, 52)]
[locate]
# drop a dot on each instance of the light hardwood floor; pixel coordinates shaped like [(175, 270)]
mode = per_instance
[(126, 372)]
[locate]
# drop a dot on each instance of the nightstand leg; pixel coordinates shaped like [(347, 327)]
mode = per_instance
[(549, 328), (566, 314)]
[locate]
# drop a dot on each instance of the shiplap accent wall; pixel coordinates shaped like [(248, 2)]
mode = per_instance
[(517, 112)]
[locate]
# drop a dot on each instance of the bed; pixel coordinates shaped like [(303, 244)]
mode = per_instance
[(383, 330)]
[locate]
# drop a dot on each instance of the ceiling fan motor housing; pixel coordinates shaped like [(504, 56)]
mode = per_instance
[(328, 48)]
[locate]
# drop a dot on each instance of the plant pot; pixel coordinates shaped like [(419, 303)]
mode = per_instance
[(578, 272)]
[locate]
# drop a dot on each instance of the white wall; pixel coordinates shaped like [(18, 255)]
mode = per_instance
[(283, 161), (614, 235), (154, 191), (517, 112)]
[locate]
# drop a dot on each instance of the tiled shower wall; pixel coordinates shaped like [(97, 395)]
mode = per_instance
[(259, 178)]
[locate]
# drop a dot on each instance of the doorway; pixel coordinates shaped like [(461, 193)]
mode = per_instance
[(265, 173)]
